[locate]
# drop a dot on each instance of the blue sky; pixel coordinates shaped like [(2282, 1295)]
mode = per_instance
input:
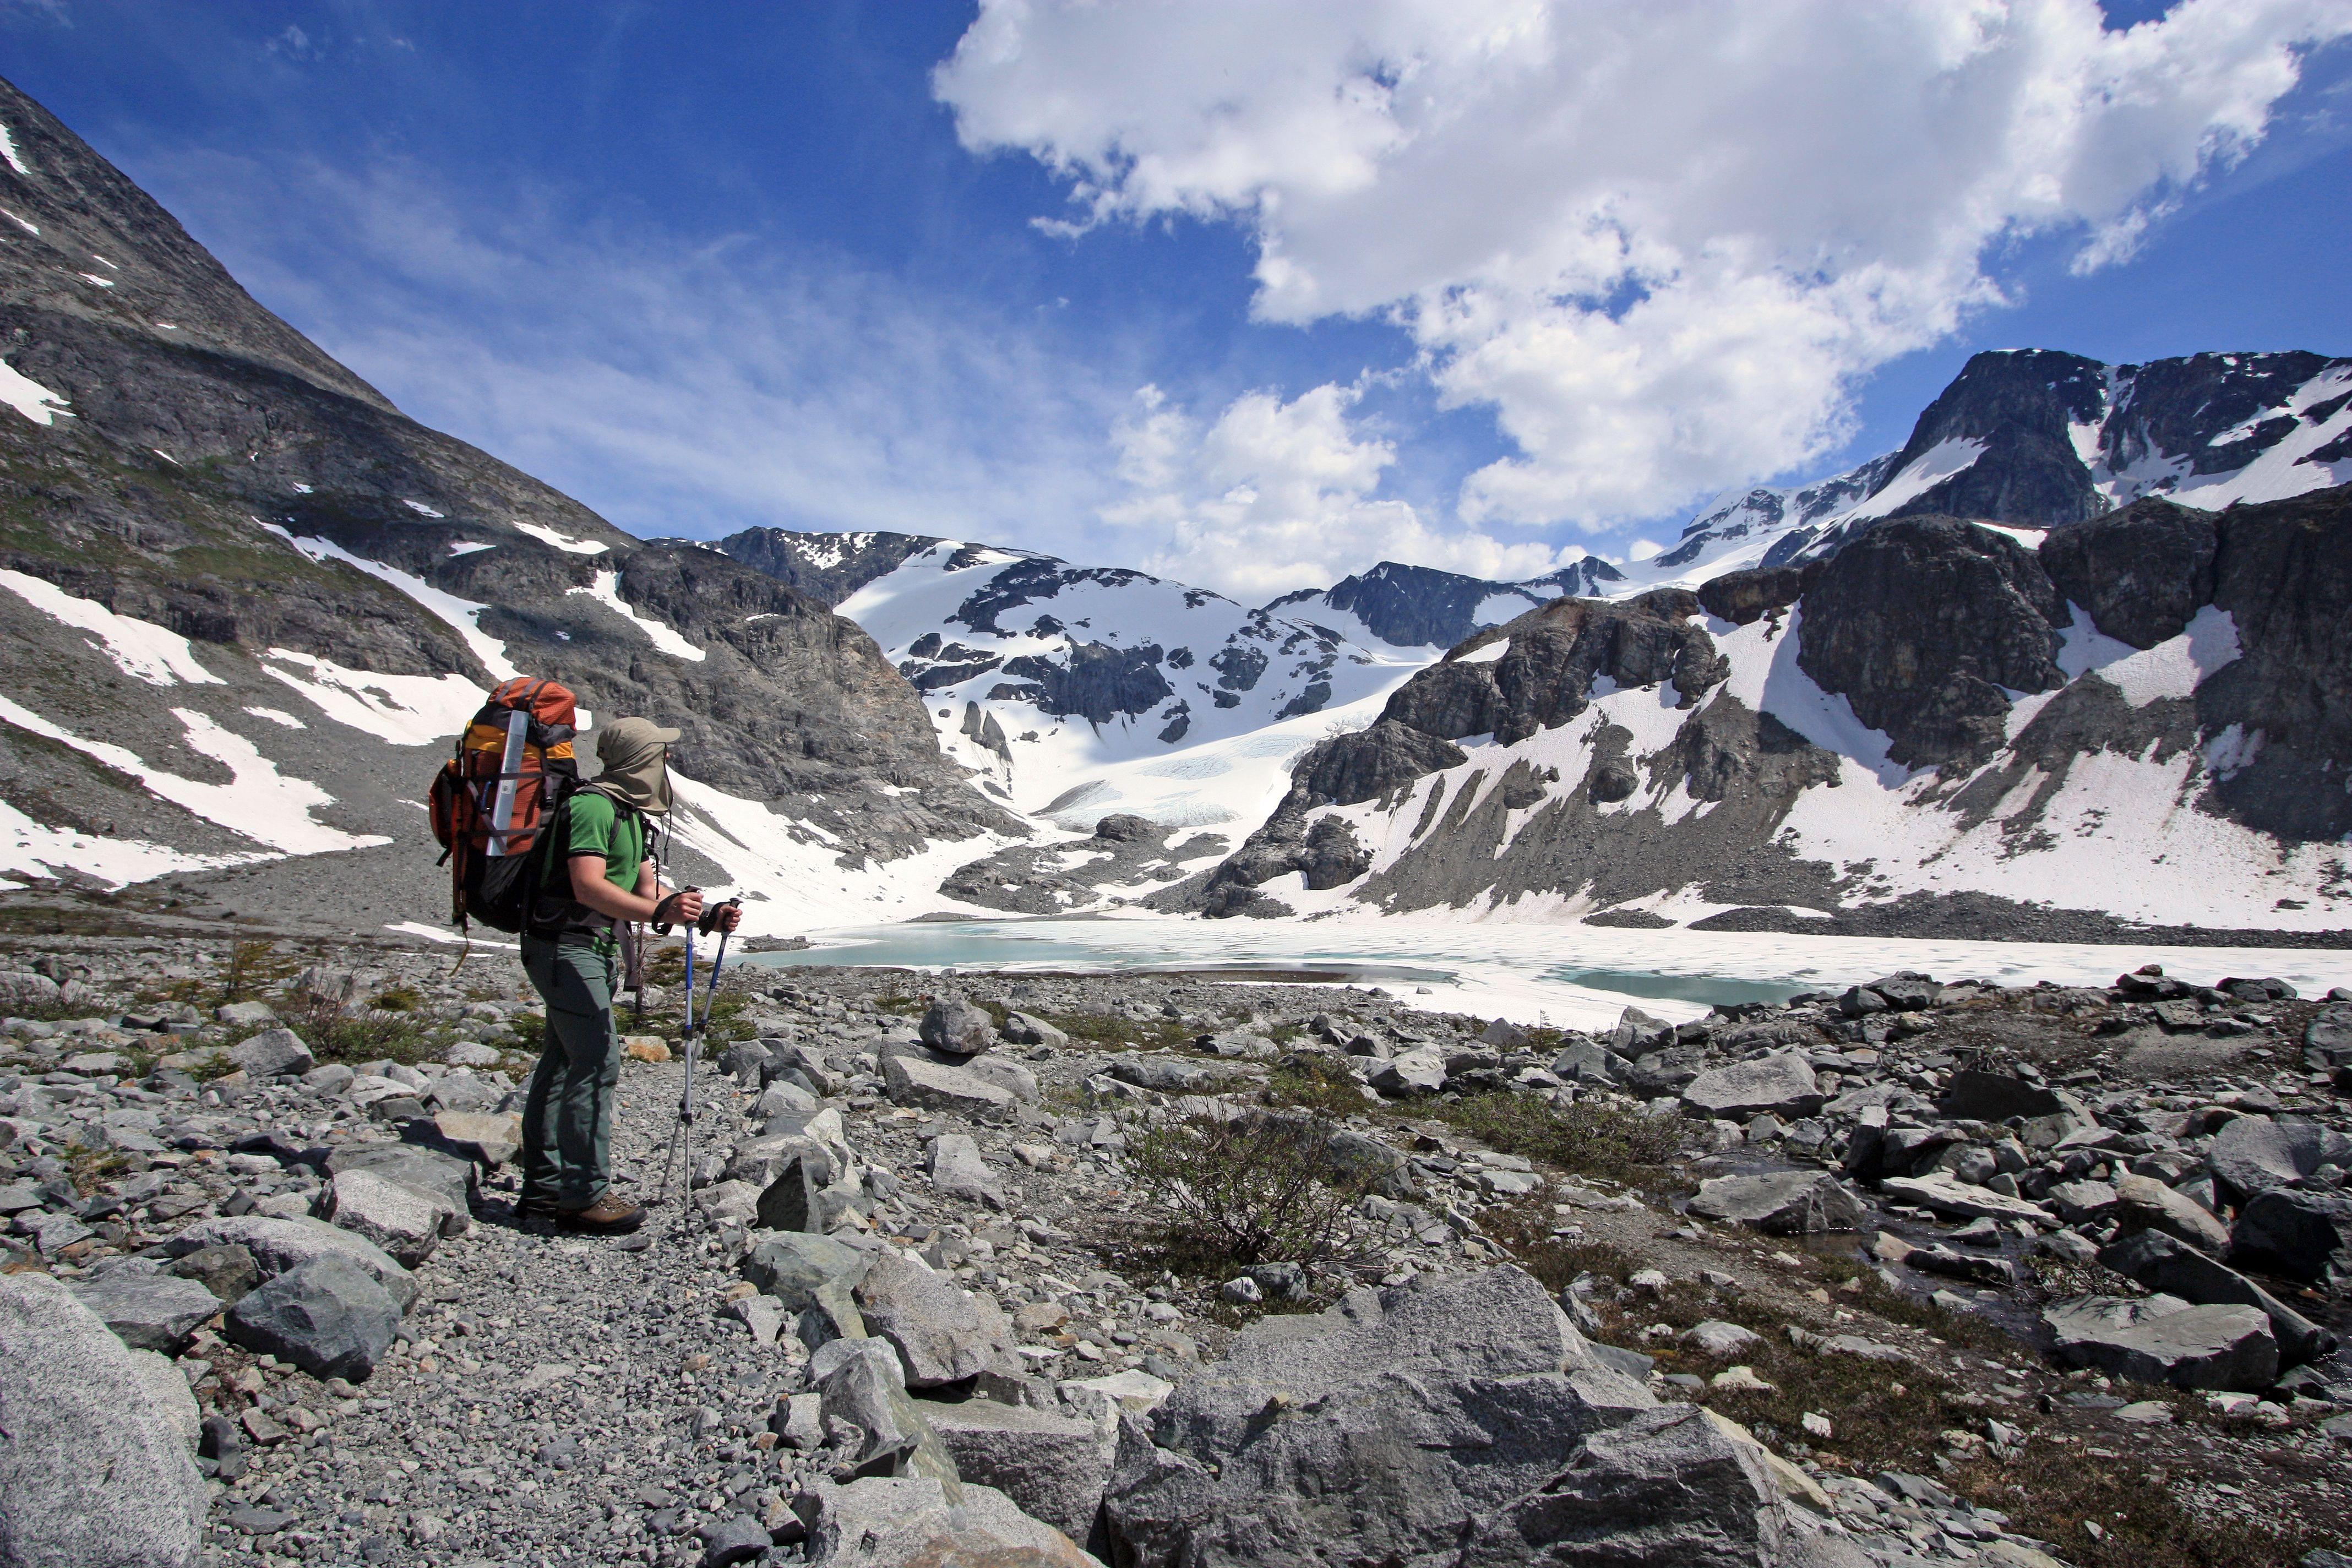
[(704, 266)]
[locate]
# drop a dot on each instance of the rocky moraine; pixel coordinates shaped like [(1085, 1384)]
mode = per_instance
[(1919, 1271)]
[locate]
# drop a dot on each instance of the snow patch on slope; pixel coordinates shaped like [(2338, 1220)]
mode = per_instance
[(606, 591), (259, 803), (138, 649), (790, 873), (461, 615), (2174, 667), (563, 541), (398, 709), (29, 397)]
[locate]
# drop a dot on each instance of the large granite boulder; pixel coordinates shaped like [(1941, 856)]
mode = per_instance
[(930, 1320), (1054, 1467), (2164, 1340), (812, 1274), (404, 1221), (1669, 1486), (2252, 1153), (1371, 1431), (329, 1316), (447, 1179), (94, 1468), (2146, 1202), (148, 1309), (2302, 1234), (919, 1081), (957, 1028), (1782, 1084), (2171, 1266), (859, 1382)]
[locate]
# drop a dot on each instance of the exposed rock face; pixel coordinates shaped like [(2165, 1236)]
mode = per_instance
[(2141, 572), (1921, 621), (1347, 768), (1420, 607), (1741, 597), (2018, 408), (1095, 681), (828, 567), (2284, 574), (1546, 677)]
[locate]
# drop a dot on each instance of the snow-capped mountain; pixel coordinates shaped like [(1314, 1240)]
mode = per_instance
[(2038, 439), (1949, 726), (1422, 608), (1075, 691)]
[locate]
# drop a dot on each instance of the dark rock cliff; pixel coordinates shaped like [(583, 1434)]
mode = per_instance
[(199, 435), (1921, 621)]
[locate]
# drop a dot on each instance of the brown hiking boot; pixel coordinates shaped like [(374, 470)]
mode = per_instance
[(611, 1214)]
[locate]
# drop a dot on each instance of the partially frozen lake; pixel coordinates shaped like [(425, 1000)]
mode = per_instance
[(1571, 975)]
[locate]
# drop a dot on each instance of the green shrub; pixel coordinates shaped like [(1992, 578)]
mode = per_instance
[(1260, 1189)]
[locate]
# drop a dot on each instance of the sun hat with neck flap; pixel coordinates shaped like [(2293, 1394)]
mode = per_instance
[(631, 753)]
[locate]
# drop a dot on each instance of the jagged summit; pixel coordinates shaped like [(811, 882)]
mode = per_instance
[(2037, 439)]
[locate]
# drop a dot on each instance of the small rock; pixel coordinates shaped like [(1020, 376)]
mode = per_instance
[(273, 1053), (957, 1028), (957, 1171), (1717, 1338)]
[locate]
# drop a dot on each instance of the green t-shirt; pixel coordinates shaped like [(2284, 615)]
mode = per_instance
[(595, 829)]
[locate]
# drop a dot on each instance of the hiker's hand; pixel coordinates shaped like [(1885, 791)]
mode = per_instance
[(723, 917), (681, 908)]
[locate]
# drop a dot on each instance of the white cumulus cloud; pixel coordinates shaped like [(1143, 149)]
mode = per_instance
[(1273, 495), (1660, 242)]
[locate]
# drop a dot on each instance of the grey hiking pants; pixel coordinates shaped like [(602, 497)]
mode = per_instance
[(567, 1118)]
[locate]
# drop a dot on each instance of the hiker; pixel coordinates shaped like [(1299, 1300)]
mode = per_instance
[(571, 955)]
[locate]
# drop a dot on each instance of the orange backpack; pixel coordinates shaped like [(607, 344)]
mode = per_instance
[(513, 769)]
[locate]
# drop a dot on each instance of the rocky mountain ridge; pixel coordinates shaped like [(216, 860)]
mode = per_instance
[(1940, 727), (2038, 439), (248, 600)]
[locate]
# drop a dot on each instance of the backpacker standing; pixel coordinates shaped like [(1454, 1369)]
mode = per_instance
[(597, 875)]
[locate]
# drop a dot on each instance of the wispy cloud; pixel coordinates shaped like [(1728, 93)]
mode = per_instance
[(678, 388)]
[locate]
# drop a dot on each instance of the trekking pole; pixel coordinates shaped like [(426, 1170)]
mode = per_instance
[(710, 918)]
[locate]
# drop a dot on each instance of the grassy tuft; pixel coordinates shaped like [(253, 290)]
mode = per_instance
[(1587, 1139)]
